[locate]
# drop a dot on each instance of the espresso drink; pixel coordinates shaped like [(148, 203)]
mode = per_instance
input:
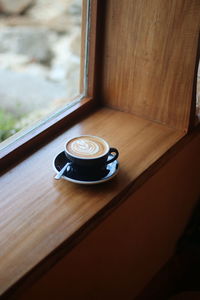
[(87, 147)]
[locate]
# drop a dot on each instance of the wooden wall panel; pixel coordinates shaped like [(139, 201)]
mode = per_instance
[(119, 257), (149, 57)]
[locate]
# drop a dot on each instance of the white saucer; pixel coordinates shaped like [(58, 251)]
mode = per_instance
[(110, 171)]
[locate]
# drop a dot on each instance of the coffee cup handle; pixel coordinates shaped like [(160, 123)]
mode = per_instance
[(113, 150)]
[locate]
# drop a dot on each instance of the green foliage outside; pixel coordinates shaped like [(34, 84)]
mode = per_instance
[(7, 125)]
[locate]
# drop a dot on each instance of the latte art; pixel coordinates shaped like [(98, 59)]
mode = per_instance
[(87, 147)]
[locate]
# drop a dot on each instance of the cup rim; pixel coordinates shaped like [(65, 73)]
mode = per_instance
[(87, 158)]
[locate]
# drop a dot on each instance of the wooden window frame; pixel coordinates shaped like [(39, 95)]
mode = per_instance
[(102, 203), (94, 9)]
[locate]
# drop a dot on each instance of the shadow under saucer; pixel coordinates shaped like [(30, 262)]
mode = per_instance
[(85, 175)]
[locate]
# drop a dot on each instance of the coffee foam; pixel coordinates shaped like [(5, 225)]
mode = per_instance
[(87, 147)]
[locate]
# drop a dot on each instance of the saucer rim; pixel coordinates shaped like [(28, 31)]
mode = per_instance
[(86, 182)]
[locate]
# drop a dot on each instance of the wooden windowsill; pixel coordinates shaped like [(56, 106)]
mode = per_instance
[(41, 218)]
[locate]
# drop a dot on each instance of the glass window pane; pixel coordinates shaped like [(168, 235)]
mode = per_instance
[(40, 44)]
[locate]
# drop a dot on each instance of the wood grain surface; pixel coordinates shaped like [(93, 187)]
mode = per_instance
[(120, 256), (38, 213), (149, 56)]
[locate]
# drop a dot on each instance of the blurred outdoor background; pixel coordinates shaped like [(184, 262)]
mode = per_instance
[(40, 44)]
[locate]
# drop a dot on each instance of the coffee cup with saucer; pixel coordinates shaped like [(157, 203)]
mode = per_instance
[(87, 159)]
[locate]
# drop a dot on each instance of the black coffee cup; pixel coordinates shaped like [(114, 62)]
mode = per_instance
[(91, 152)]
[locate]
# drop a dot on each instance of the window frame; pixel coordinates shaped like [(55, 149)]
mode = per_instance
[(95, 33), (85, 106)]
